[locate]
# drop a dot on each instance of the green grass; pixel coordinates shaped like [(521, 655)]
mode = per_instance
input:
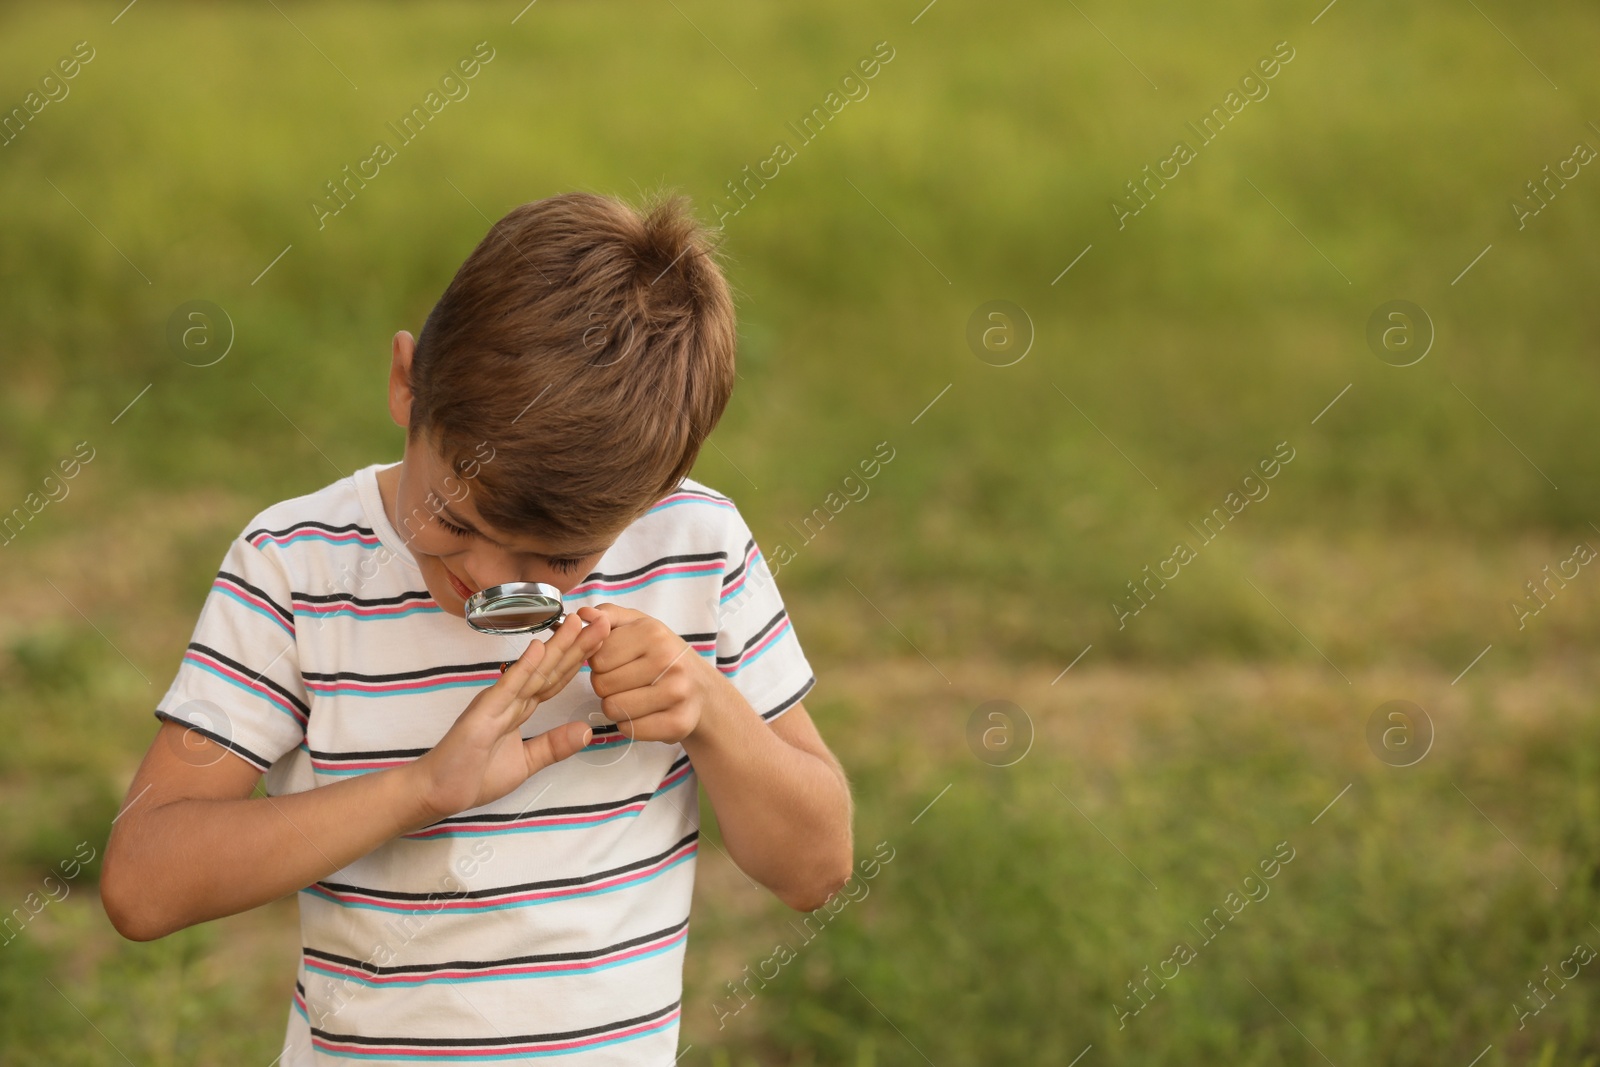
[(1218, 323), (1019, 906)]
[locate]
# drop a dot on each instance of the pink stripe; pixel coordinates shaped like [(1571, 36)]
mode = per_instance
[(568, 820), (322, 609), (399, 687), (773, 636), (548, 894), (265, 693), (245, 594), (749, 561), (571, 820), (681, 568), (320, 535), (693, 496), (540, 968), (319, 764), (547, 1046)]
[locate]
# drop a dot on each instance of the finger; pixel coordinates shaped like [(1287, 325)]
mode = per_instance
[(663, 725), (637, 703), (601, 626), (618, 614), (513, 681), (624, 644), (556, 744), (657, 727), (638, 673), (567, 667), (554, 650), (593, 636)]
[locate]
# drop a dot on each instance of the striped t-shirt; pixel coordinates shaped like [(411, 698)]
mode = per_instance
[(550, 923)]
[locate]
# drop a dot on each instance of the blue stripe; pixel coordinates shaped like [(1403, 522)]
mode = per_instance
[(252, 690), (453, 1057), (330, 538), (758, 558), (544, 829), (425, 608), (257, 608), (787, 630), (576, 968), (694, 500), (531, 829), (318, 689), (368, 770), (497, 907), (641, 585)]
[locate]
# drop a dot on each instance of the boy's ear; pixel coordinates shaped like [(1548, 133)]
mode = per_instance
[(400, 379)]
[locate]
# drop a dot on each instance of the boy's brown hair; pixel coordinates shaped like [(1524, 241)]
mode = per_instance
[(592, 346)]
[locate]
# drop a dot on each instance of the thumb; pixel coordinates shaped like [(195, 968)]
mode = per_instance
[(556, 744)]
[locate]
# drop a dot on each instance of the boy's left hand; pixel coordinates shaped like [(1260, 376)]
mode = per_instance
[(649, 680)]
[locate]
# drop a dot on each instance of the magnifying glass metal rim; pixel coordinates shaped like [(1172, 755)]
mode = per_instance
[(508, 595)]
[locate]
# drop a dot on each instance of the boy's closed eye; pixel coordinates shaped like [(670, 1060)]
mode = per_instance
[(558, 563)]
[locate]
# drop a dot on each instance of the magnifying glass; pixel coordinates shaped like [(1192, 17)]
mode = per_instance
[(515, 608)]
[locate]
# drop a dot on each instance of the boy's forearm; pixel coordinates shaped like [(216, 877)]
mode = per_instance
[(784, 813), (190, 860)]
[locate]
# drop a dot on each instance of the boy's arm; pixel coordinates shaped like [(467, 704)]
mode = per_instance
[(191, 844), (781, 798)]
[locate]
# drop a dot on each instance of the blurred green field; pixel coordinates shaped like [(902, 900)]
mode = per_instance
[(1220, 321)]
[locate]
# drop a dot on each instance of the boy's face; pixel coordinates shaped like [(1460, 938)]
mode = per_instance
[(429, 504)]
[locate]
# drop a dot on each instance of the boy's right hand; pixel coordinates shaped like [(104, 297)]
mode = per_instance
[(484, 756)]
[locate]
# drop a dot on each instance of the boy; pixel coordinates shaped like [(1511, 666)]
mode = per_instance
[(498, 866)]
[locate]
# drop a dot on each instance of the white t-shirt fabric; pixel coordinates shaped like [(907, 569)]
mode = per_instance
[(550, 923)]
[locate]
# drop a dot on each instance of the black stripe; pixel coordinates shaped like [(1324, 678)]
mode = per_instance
[(569, 809), (288, 616), (514, 816), (268, 682), (490, 1042), (693, 557), (552, 957), (424, 672), (389, 753), (748, 644), (309, 524), (367, 602), (237, 749), (404, 753), (733, 575), (707, 493), (772, 713), (479, 894)]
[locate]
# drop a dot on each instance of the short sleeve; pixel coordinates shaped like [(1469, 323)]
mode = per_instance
[(757, 649), (239, 683)]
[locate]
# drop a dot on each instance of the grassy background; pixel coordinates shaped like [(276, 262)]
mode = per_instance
[(1221, 321)]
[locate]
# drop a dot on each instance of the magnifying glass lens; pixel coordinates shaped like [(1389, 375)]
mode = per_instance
[(515, 608)]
